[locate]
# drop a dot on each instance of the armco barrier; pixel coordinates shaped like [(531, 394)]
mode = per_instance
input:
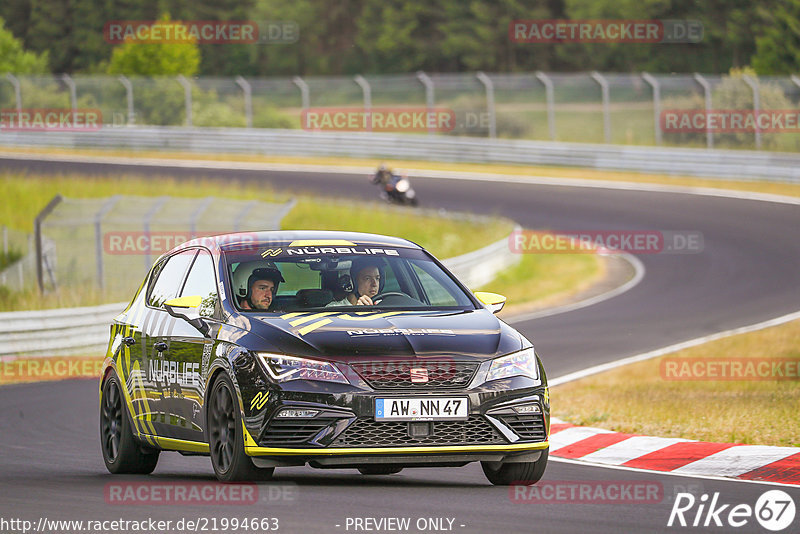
[(86, 330), (727, 164)]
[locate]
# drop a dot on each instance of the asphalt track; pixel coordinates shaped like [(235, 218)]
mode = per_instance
[(748, 271)]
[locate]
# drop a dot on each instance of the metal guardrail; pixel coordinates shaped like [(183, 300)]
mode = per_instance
[(719, 164), (49, 332)]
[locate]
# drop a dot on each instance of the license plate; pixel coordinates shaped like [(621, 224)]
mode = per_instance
[(422, 409)]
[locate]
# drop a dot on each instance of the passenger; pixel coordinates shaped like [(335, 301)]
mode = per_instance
[(367, 277), (259, 289)]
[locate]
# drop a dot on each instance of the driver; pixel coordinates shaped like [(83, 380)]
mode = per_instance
[(258, 289), (367, 276)]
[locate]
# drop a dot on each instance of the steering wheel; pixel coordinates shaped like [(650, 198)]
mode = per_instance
[(379, 298)]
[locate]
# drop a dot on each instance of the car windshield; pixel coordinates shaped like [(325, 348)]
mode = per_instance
[(317, 278)]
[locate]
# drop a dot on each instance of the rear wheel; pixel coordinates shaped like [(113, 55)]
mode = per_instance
[(121, 452), (226, 436), (379, 470), (525, 473)]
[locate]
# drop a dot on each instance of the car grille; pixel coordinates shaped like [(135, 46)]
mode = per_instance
[(527, 427), (396, 375), (293, 431), (369, 433)]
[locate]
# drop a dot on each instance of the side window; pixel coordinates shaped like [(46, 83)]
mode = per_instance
[(201, 281), (437, 294), (170, 278)]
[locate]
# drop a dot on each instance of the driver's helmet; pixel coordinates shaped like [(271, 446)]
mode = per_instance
[(360, 264), (247, 273)]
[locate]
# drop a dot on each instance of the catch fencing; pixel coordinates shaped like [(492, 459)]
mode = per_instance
[(585, 107)]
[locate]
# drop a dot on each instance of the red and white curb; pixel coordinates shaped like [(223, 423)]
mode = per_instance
[(675, 455)]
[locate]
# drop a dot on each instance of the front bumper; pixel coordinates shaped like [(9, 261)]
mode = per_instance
[(345, 431)]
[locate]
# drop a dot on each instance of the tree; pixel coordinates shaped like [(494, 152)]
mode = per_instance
[(155, 59), (778, 50), (13, 57)]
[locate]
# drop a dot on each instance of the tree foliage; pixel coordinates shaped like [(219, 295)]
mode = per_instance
[(15, 59), (155, 59)]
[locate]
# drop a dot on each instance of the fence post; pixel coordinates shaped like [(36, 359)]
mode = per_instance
[(126, 83), (596, 76), (367, 91), (756, 106), (159, 202), (656, 103), (707, 92), (17, 91), (98, 237), (187, 91), (203, 206), (551, 104), (73, 94), (37, 229), (304, 96), (487, 83), (427, 82), (248, 100)]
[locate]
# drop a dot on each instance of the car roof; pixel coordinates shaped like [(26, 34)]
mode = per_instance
[(306, 238)]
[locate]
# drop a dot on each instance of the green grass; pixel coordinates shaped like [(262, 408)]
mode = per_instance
[(639, 399)]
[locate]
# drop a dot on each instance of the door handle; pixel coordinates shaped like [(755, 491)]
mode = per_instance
[(129, 341), (160, 346)]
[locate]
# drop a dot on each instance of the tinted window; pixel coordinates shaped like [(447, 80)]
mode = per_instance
[(170, 277), (201, 281)]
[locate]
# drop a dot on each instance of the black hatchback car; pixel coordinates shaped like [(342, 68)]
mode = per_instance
[(333, 349)]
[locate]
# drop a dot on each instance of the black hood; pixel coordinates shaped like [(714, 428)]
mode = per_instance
[(348, 336)]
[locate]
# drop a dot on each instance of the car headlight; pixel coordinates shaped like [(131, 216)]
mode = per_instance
[(522, 363), (284, 368)]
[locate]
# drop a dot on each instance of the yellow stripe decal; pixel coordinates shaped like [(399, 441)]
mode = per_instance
[(258, 451), (313, 326), (308, 318), (321, 243), (181, 445), (292, 315)]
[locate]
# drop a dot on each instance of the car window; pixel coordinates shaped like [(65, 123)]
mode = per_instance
[(201, 281), (169, 278), (437, 294)]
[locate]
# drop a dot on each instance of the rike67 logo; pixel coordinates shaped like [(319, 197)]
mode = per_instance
[(774, 510)]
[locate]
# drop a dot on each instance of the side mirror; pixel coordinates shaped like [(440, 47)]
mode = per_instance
[(493, 302), (187, 308)]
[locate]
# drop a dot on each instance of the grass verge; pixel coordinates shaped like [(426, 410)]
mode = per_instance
[(531, 280), (640, 399)]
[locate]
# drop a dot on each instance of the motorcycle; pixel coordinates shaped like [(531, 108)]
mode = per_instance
[(396, 189)]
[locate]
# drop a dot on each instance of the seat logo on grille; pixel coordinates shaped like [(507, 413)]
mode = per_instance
[(419, 375)]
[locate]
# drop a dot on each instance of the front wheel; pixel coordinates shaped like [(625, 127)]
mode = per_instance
[(121, 452), (226, 436), (524, 473)]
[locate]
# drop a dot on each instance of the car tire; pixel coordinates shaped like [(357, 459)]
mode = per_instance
[(122, 453), (523, 473), (379, 470), (226, 436)]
